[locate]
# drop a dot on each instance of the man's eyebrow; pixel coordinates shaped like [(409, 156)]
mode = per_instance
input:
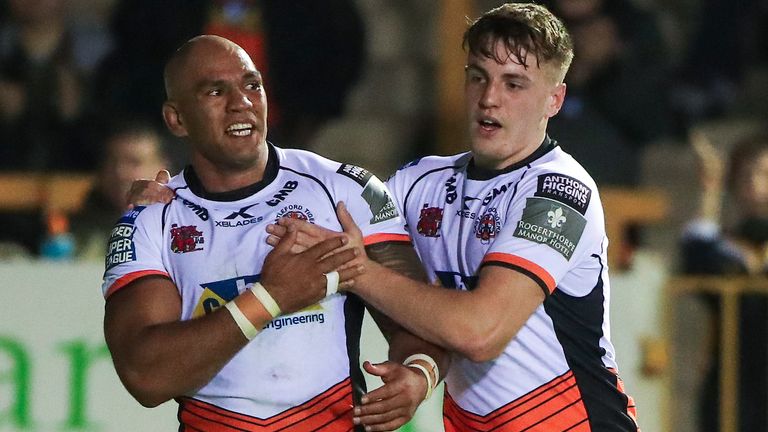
[(252, 75), (474, 68), (507, 75), (208, 83)]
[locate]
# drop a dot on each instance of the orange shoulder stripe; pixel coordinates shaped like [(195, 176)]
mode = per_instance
[(386, 237), (524, 264), (130, 277)]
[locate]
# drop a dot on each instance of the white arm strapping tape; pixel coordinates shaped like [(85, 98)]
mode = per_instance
[(266, 299), (331, 283), (427, 359), (246, 326), (426, 373)]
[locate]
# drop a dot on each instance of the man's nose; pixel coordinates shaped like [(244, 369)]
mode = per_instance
[(239, 100), (490, 95)]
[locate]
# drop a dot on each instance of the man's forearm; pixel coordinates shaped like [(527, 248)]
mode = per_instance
[(403, 260), (411, 304), (159, 357)]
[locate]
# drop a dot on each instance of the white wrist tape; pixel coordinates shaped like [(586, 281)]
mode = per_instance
[(246, 326), (428, 359), (331, 283), (426, 373), (266, 299), (410, 362)]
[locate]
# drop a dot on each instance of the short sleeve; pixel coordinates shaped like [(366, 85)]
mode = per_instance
[(548, 228), (373, 207), (134, 249)]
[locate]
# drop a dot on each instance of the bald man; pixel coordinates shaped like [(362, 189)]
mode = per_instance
[(199, 310)]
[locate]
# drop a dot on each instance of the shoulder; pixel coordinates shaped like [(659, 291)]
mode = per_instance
[(148, 215), (331, 173), (430, 164), (305, 161), (559, 177)]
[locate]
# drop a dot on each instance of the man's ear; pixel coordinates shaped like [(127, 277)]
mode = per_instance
[(556, 100), (173, 120)]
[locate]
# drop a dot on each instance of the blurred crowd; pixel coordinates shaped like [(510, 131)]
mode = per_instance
[(71, 69), (74, 74)]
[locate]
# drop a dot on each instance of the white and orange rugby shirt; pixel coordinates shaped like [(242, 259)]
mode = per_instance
[(302, 371), (541, 217)]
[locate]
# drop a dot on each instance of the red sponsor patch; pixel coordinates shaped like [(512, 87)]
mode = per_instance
[(430, 220), (186, 239)]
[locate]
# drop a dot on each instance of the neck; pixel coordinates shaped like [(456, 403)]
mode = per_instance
[(518, 153), (217, 177)]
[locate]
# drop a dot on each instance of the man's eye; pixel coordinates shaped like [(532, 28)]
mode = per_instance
[(214, 92), (253, 86), (473, 78)]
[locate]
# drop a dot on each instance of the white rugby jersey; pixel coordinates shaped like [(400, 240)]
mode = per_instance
[(302, 371), (542, 217)]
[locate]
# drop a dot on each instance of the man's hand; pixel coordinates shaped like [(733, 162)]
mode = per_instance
[(393, 404), (145, 191), (309, 234), (297, 280)]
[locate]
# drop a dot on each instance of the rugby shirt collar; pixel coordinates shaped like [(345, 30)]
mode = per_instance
[(270, 173), (475, 172)]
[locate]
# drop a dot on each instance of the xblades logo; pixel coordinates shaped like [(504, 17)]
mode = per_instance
[(468, 199), (241, 213)]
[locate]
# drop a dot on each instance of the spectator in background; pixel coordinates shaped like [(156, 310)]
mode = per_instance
[(729, 38), (617, 100), (41, 89), (710, 248), (130, 151), (305, 90)]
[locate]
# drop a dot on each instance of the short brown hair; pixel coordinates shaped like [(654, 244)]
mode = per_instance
[(523, 28)]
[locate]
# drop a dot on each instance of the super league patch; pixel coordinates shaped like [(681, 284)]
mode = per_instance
[(549, 222), (120, 248), (356, 173), (565, 189)]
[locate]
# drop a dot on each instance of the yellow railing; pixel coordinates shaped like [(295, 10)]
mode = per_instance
[(729, 289), (28, 191)]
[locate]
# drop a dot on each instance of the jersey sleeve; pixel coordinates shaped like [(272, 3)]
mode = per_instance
[(552, 222), (134, 249), (372, 206)]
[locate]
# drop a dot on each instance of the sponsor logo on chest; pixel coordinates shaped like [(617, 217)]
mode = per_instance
[(488, 225), (296, 211), (199, 210), (185, 239), (240, 218), (430, 220), (283, 193)]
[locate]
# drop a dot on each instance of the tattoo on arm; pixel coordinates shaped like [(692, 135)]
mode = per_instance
[(399, 257), (403, 259)]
